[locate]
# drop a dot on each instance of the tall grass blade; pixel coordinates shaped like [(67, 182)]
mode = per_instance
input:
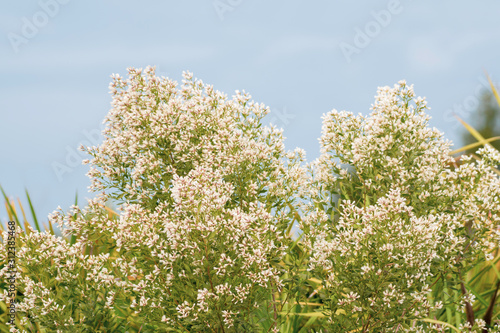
[(438, 322), (22, 211), (479, 137), (493, 89), (35, 220), (51, 229), (474, 132), (493, 265), (305, 314), (484, 270), (11, 210), (474, 145)]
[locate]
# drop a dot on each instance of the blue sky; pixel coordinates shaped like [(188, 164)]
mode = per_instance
[(301, 58)]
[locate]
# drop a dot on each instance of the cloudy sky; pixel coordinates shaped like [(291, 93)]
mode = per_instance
[(301, 58)]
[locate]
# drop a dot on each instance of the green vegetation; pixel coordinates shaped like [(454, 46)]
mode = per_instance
[(403, 239)]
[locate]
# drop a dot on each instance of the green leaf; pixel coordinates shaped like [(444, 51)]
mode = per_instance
[(11, 210), (35, 220), (305, 314), (434, 321)]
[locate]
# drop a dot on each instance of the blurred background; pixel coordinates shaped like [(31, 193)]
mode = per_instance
[(301, 58)]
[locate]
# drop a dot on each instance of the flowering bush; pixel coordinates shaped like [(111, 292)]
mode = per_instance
[(196, 244), (208, 197), (392, 214)]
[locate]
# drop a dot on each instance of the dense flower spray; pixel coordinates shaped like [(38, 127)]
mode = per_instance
[(391, 214), (205, 193), (207, 198)]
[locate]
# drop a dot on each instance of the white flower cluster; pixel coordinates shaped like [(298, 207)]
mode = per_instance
[(50, 264), (390, 212), (205, 195), (201, 241)]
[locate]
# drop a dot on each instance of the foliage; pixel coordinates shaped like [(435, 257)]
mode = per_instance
[(393, 215), (395, 234)]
